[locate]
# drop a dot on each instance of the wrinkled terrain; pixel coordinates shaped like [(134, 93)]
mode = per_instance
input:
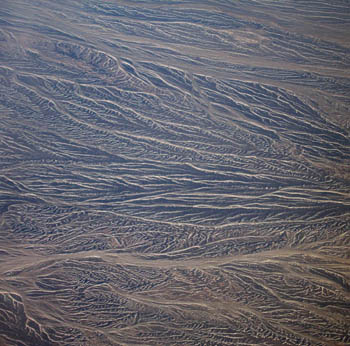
[(174, 172)]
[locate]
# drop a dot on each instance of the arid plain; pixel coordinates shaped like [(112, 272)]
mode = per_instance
[(174, 172)]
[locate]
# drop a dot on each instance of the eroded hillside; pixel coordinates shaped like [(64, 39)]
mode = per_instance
[(174, 173)]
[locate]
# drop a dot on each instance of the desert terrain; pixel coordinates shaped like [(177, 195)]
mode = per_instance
[(174, 172)]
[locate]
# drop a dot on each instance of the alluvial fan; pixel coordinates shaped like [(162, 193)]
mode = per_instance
[(174, 172)]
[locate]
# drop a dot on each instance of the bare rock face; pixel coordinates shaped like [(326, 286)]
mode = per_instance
[(174, 172)]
